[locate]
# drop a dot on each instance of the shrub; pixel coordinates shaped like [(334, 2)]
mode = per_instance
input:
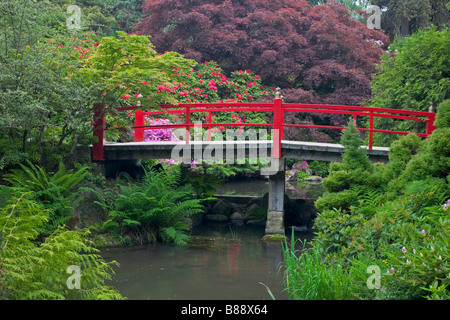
[(400, 152), (443, 115), (411, 76), (355, 169), (343, 199)]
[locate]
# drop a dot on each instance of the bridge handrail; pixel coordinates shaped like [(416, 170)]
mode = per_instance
[(278, 107)]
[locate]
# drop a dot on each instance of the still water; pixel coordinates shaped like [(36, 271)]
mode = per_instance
[(227, 262)]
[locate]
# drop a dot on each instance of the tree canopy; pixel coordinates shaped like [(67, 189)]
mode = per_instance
[(415, 74), (315, 54), (320, 50), (401, 18)]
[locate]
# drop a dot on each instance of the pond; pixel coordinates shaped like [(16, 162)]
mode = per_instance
[(225, 262)]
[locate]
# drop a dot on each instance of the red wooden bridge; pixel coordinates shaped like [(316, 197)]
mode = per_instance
[(279, 148)]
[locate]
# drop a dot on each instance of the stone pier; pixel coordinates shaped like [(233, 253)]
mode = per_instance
[(275, 210)]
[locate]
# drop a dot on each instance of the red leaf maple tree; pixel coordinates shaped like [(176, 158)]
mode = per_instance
[(315, 54)]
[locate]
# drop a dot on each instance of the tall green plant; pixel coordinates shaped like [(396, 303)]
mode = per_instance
[(54, 191), (154, 209), (354, 170), (38, 271), (411, 76), (309, 277)]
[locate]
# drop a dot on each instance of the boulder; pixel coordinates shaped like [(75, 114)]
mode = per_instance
[(291, 175), (222, 208), (254, 211), (237, 216)]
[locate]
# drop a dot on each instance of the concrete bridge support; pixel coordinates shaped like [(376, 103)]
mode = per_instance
[(275, 211)]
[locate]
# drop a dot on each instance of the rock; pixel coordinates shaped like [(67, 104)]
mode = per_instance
[(254, 200), (314, 179), (291, 175), (216, 217), (222, 208), (255, 212), (237, 216)]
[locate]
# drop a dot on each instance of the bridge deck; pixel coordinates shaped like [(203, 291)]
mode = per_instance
[(235, 149)]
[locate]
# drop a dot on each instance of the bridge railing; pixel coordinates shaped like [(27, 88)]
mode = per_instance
[(277, 107)]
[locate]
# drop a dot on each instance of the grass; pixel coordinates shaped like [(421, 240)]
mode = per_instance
[(308, 277)]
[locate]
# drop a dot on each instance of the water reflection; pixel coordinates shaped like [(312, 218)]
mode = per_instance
[(230, 267)]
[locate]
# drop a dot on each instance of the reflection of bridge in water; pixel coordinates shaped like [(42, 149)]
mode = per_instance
[(273, 152)]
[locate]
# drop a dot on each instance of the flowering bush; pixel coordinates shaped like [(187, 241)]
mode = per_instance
[(407, 238), (402, 228), (208, 83), (159, 134), (421, 264)]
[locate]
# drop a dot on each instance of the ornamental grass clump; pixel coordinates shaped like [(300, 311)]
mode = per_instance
[(308, 277)]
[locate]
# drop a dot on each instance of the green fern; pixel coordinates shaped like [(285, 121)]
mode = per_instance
[(152, 208), (173, 235), (366, 195), (54, 191), (37, 271)]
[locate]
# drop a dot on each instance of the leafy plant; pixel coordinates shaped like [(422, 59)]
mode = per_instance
[(309, 277), (154, 208), (54, 191), (354, 170), (38, 271), (411, 76)]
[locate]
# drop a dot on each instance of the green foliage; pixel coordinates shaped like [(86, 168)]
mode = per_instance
[(56, 75), (319, 168), (400, 225), (127, 66), (414, 74), (409, 235), (46, 110), (403, 18), (432, 160), (342, 199), (354, 156), (153, 209), (400, 153), (38, 271), (309, 277), (354, 170), (443, 115), (54, 191)]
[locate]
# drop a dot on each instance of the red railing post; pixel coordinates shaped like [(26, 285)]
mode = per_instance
[(99, 124), (430, 120), (139, 123), (188, 122), (209, 127), (278, 122), (371, 130)]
